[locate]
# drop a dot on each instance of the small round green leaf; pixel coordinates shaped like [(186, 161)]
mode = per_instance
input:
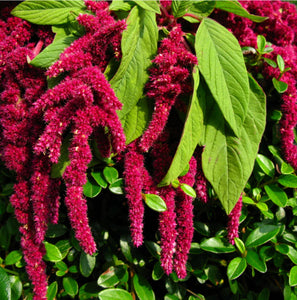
[(236, 267), (5, 290), (70, 285), (111, 174), (158, 271), (289, 180), (53, 253), (117, 186), (293, 276), (276, 194), (261, 43), (155, 202), (270, 62), (142, 287), (286, 168), (280, 86), (280, 63), (61, 266), (216, 245), (266, 165), (239, 245), (91, 189), (188, 190), (13, 257), (86, 264), (112, 276), (114, 294), (52, 291), (261, 235), (100, 179), (56, 230)]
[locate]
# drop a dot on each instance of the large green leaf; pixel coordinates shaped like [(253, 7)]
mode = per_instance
[(86, 264), (222, 64), (135, 122), (179, 8), (50, 12), (71, 286), (112, 276), (52, 53), (255, 261), (227, 160), (151, 5), (139, 44), (236, 8), (192, 133)]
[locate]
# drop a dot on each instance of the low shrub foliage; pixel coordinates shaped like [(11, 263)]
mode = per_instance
[(148, 150)]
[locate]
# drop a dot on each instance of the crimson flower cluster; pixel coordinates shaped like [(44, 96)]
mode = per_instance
[(36, 121)]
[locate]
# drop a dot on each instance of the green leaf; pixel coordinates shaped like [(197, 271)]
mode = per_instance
[(86, 264), (192, 132), (236, 8), (261, 43), (111, 174), (114, 294), (266, 165), (13, 257), (5, 290), (126, 249), (100, 179), (201, 9), (120, 5), (50, 12), (52, 291), (52, 52), (91, 188), (276, 194), (288, 180), (254, 260), (222, 65), (236, 267), (56, 230), (16, 287), (70, 285), (135, 122), (216, 245), (88, 291), (139, 45), (158, 271), (264, 295), (61, 266), (239, 245), (117, 186), (53, 253), (293, 276), (228, 161), (280, 63), (155, 202), (280, 86), (292, 254), (151, 5), (112, 276), (270, 62), (261, 235), (142, 287), (179, 8), (153, 248), (188, 190)]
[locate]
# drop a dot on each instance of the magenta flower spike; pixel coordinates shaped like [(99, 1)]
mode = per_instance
[(184, 220), (233, 222), (134, 167)]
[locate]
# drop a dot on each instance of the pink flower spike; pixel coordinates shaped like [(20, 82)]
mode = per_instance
[(233, 223), (134, 166)]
